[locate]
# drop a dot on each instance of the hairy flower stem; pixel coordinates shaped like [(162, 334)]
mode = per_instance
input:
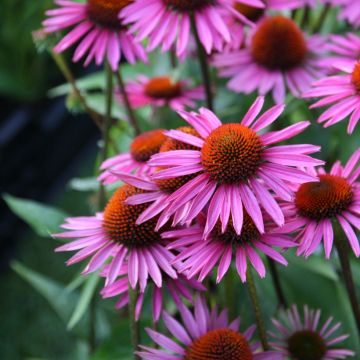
[(342, 249), (129, 109), (277, 284), (134, 325), (65, 70), (257, 310), (204, 65)]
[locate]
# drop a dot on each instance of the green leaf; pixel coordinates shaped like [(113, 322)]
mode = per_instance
[(84, 184), (85, 299), (43, 219)]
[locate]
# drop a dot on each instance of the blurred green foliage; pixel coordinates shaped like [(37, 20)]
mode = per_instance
[(24, 74)]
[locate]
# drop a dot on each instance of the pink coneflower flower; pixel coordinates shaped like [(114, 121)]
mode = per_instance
[(335, 197), (306, 339), (346, 49), (277, 56), (198, 256), (141, 149), (97, 27), (167, 22), (234, 166), (342, 93), (114, 235), (349, 11), (161, 189), (179, 289), (204, 334), (161, 91)]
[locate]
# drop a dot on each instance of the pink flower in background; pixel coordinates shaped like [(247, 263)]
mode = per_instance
[(97, 30), (198, 257), (349, 11), (344, 49), (318, 205), (235, 166), (114, 235), (141, 149), (278, 56), (305, 338), (204, 334), (341, 93), (179, 289), (162, 91), (167, 22)]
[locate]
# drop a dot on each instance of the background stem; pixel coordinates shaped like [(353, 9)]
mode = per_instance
[(205, 71), (342, 249), (257, 310), (129, 109), (277, 283)]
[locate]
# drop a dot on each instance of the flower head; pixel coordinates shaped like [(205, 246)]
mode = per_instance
[(204, 334), (179, 289), (342, 93), (161, 91), (115, 235), (199, 257), (233, 166), (259, 66), (141, 149), (153, 19), (304, 339), (97, 27), (334, 198)]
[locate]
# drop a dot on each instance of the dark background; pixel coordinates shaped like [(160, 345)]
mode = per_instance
[(42, 146)]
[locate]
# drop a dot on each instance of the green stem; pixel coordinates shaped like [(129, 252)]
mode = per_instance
[(173, 59), (129, 109), (134, 325), (204, 65), (64, 68), (277, 284), (257, 310), (343, 252), (229, 293), (306, 17)]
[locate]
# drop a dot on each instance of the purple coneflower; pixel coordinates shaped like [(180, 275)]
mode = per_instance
[(167, 22), (141, 149), (179, 289), (342, 93), (349, 11), (334, 198), (97, 27), (199, 257), (306, 339), (278, 56), (114, 235), (235, 166), (204, 334), (161, 91)]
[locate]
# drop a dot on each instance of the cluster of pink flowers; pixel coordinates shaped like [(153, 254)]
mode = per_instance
[(209, 194)]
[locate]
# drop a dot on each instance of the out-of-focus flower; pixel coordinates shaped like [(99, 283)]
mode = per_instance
[(97, 30), (349, 10), (278, 56), (305, 339), (161, 91), (167, 22)]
